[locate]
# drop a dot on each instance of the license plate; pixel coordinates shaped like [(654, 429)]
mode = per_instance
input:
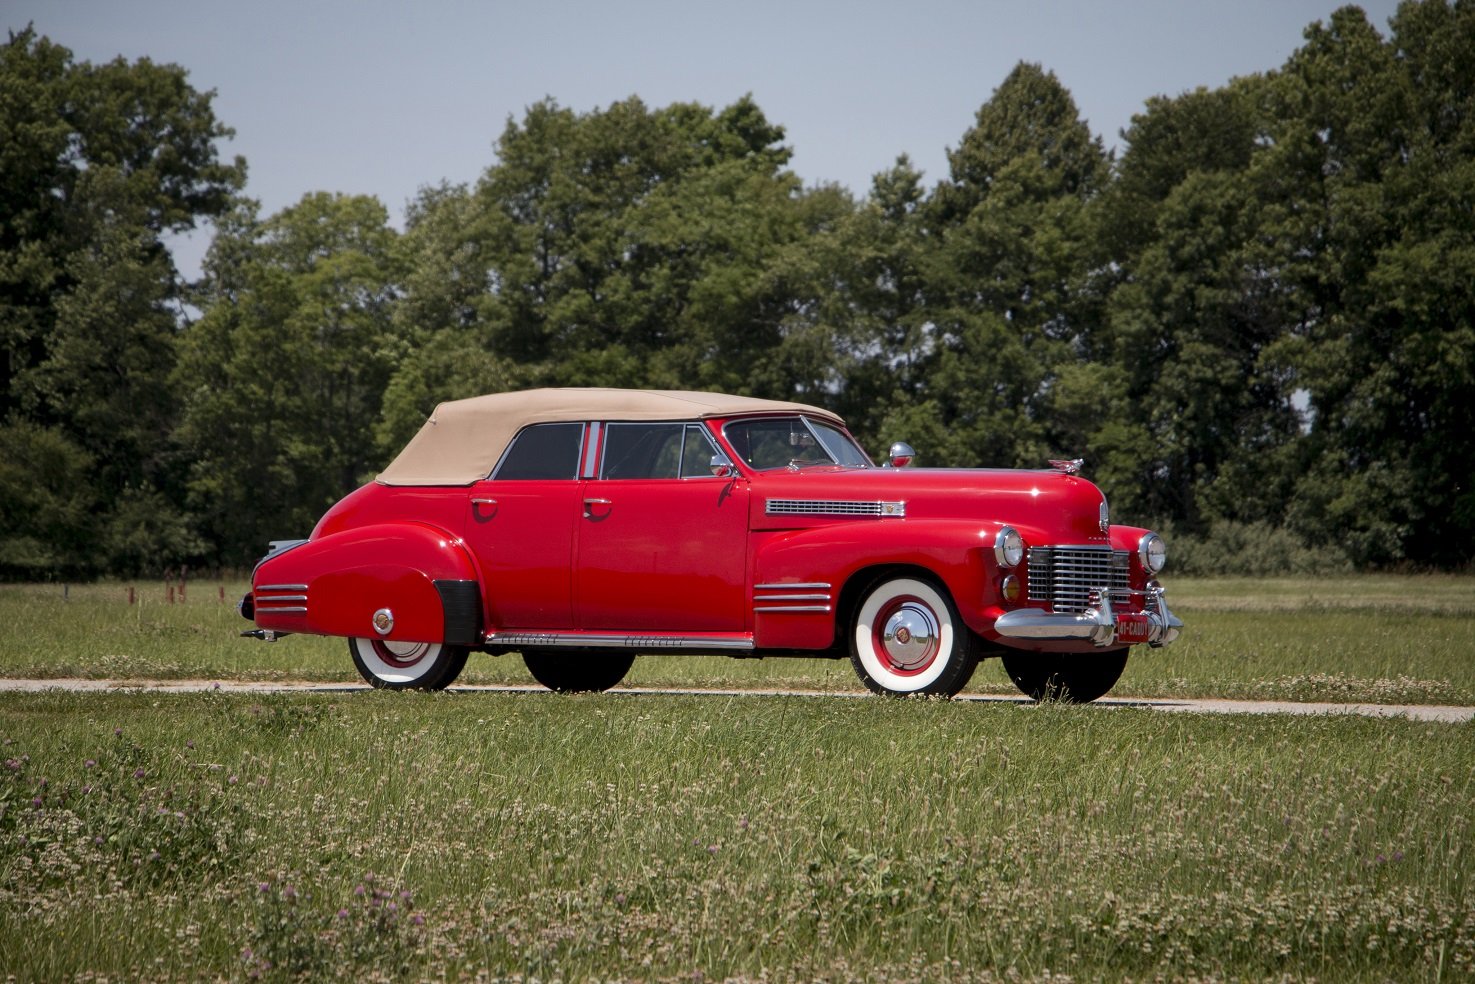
[(1132, 629)]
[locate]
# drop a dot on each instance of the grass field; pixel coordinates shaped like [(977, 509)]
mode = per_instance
[(532, 836), (1381, 639), (644, 837)]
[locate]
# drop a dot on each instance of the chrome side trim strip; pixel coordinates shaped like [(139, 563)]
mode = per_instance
[(282, 587), (783, 597), (294, 610), (786, 596), (618, 641), (835, 507), (276, 598)]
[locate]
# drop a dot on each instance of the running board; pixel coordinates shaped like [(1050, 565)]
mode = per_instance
[(718, 641)]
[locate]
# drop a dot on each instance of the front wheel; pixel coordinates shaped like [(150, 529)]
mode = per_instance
[(1073, 678), (907, 638), (407, 665), (578, 673)]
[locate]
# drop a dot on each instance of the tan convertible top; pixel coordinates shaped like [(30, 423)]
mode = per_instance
[(464, 439)]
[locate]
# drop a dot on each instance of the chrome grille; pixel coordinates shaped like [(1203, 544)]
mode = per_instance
[(1065, 576), (833, 507)]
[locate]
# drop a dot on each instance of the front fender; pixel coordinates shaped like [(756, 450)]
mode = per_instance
[(957, 552), (421, 575)]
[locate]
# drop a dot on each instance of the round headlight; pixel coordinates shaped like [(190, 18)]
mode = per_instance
[(1153, 553), (1009, 547)]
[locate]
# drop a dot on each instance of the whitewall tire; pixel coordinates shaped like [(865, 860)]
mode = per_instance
[(907, 638), (407, 665)]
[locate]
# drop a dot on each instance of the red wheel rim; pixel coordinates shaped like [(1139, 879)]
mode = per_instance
[(906, 636), (400, 655)]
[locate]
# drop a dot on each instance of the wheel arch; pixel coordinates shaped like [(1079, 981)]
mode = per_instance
[(859, 584)]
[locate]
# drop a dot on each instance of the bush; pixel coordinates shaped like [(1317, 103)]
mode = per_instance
[(1253, 550)]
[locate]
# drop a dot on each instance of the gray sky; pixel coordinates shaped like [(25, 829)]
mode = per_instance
[(380, 98)]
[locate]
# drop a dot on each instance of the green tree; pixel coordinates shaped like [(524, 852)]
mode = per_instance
[(1373, 138), (625, 246), (872, 289), (284, 375), (1206, 419), (1303, 238), (1008, 279), (98, 163), (47, 503)]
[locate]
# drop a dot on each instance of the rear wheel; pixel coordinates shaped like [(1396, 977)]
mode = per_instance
[(907, 638), (1073, 678), (572, 673), (407, 665)]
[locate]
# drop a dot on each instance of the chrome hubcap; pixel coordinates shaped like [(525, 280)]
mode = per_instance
[(910, 638)]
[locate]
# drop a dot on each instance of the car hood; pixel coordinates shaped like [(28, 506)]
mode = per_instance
[(1038, 501)]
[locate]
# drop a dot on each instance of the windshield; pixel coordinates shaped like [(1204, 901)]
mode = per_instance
[(792, 442)]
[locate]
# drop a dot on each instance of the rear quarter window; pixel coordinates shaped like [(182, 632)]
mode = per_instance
[(542, 451)]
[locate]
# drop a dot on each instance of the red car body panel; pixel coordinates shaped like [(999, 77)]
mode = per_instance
[(333, 585)]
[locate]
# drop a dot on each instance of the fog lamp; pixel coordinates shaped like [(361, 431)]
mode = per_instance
[(1011, 589)]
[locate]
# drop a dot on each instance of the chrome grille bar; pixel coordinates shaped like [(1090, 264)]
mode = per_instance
[(1064, 577)]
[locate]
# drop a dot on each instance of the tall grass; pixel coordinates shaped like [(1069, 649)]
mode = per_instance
[(1382, 639), (689, 838)]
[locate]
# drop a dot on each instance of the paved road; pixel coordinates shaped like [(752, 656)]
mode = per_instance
[(1415, 712)]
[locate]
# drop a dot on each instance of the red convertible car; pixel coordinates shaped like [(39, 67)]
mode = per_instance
[(581, 527)]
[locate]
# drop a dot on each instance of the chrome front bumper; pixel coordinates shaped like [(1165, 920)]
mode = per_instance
[(1097, 624)]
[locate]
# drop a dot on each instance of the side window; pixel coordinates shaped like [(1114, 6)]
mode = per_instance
[(840, 447), (642, 451), (696, 453), (542, 451)]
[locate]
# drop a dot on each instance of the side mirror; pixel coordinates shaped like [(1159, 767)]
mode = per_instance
[(900, 455), (722, 466)]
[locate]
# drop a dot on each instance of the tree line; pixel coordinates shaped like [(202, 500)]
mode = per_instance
[(1256, 322)]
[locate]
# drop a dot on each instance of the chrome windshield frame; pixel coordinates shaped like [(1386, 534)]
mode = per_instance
[(812, 426)]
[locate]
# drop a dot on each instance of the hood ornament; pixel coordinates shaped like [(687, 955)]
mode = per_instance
[(1069, 467)]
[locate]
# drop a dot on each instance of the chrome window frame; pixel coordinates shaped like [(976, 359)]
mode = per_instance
[(704, 471), (686, 426), (507, 451)]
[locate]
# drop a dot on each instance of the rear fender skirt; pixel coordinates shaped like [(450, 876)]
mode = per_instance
[(420, 576)]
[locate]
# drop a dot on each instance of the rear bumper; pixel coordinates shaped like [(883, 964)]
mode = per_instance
[(1098, 624)]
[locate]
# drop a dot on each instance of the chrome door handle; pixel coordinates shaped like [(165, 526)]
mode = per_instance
[(483, 509), (483, 502), (589, 505)]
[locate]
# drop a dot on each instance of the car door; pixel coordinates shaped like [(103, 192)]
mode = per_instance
[(521, 529), (661, 542)]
